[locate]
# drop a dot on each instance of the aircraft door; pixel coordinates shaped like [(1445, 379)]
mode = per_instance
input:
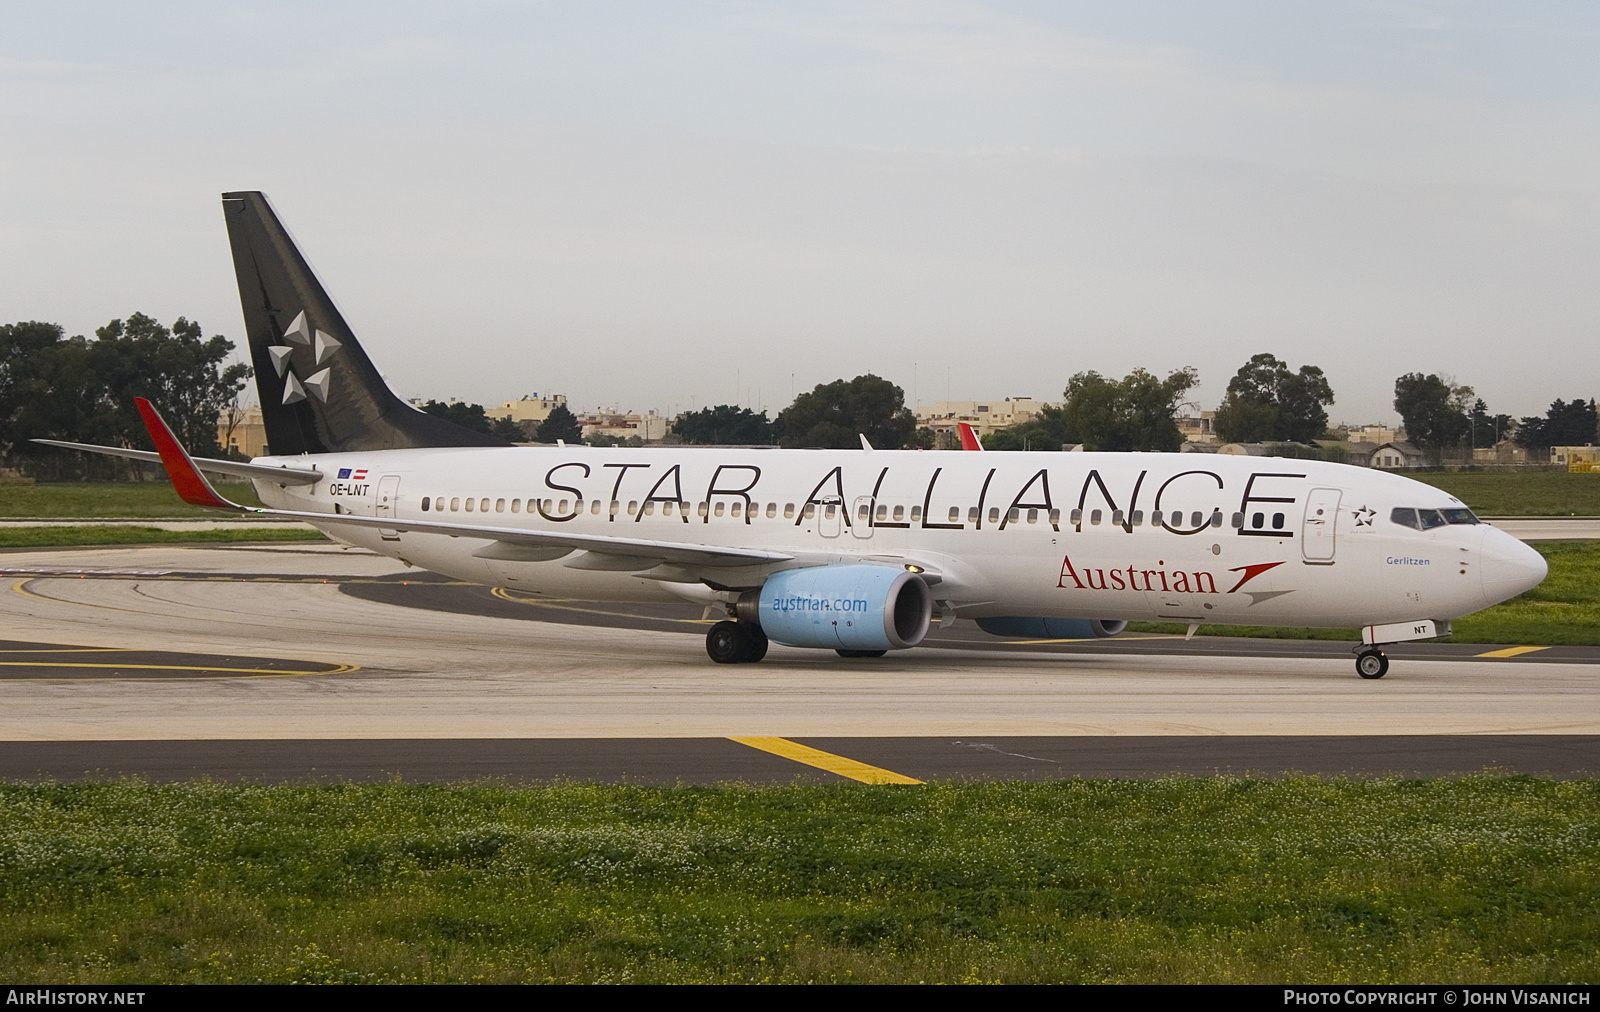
[(830, 515), (388, 497), (862, 517), (1321, 526)]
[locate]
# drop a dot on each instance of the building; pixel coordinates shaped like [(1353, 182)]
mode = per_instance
[(984, 416), (1398, 455), (648, 427), (242, 430), (1378, 434), (1198, 428), (528, 411), (1506, 451), (1576, 458)]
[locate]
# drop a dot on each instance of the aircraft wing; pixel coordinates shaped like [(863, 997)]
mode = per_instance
[(194, 489), (232, 468)]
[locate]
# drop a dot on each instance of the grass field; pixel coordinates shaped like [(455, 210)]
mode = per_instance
[(1565, 608), (107, 534), (88, 499), (1519, 494), (1482, 879)]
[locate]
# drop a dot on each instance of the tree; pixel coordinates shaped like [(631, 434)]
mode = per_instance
[(837, 414), (1433, 410), (468, 416), (1487, 429), (1565, 423), (1266, 402), (53, 386), (559, 425), (1045, 431), (723, 425), (1138, 412)]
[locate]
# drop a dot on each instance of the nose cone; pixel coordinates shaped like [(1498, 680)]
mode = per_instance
[(1508, 566)]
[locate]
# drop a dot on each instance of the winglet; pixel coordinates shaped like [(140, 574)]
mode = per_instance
[(191, 486), (864, 444), (969, 437)]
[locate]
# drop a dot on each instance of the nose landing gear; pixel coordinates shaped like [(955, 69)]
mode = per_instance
[(1372, 663)]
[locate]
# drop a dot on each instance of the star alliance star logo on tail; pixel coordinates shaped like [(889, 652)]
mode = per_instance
[(321, 343)]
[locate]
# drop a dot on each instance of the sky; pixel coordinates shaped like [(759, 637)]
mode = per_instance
[(665, 205)]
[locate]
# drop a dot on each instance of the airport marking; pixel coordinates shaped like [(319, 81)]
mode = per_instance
[(340, 669), (851, 768), (563, 604), (1510, 651)]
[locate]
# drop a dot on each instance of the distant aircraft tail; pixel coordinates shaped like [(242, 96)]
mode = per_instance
[(969, 437), (319, 391)]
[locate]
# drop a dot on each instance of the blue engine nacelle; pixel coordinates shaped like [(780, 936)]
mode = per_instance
[(1051, 628), (845, 607)]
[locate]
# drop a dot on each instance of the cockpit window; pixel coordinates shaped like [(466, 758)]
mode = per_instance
[(1427, 520)]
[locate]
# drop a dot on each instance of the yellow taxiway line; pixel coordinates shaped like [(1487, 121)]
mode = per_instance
[(851, 768), (1511, 651)]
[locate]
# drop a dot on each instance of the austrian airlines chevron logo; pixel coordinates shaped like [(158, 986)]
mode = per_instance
[(320, 343), (1172, 581)]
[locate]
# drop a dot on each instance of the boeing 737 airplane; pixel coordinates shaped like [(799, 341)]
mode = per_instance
[(849, 550)]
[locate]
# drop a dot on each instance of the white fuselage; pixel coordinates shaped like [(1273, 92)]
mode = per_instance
[(1249, 540)]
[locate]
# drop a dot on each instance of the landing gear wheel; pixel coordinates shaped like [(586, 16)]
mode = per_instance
[(1372, 664), (735, 643), (861, 653)]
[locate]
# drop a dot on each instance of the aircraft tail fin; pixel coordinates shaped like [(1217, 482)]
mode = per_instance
[(969, 437), (319, 391)]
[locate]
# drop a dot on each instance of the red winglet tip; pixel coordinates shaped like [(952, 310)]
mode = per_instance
[(187, 480), (969, 437)]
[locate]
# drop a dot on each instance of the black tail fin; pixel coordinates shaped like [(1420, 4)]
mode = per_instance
[(319, 391)]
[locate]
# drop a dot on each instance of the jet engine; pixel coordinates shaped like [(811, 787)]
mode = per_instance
[(846, 607), (1052, 628)]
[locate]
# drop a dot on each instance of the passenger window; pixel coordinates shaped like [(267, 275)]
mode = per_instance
[(1216, 519), (829, 511), (810, 510), (455, 504), (734, 508), (499, 505), (955, 515), (716, 510), (1195, 519), (516, 505), (994, 514), (633, 507), (788, 511), (666, 509), (705, 509), (916, 514), (1013, 515), (1137, 517), (883, 512), (549, 505), (772, 510), (972, 514), (469, 505), (1116, 516), (649, 507), (596, 507), (1075, 517), (616, 506), (1257, 521), (1277, 521), (1155, 518), (899, 512), (1094, 517), (424, 504), (1055, 516), (1238, 521)]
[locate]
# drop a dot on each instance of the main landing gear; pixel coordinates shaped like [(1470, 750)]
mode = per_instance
[(1371, 663), (736, 643)]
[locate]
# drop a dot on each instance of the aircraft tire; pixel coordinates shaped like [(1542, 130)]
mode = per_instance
[(1372, 664), (726, 643), (860, 653), (757, 643)]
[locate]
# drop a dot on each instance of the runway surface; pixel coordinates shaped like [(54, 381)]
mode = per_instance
[(297, 661)]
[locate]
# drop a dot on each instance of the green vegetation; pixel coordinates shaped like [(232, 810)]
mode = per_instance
[(109, 534), (1564, 609), (1483, 879), (87, 499), (1519, 494)]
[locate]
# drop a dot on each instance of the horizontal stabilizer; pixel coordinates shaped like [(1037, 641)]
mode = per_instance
[(231, 468)]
